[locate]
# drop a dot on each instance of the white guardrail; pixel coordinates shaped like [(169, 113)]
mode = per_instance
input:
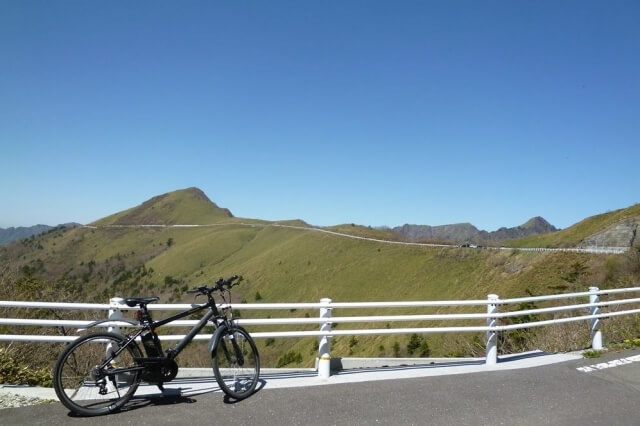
[(492, 316)]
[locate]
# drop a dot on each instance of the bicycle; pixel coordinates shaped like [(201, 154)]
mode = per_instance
[(98, 373)]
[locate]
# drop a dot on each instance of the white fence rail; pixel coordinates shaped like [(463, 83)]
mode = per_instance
[(489, 318)]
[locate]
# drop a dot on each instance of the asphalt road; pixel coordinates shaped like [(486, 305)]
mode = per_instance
[(557, 394)]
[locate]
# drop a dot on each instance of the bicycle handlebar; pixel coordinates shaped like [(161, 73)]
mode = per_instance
[(220, 285)]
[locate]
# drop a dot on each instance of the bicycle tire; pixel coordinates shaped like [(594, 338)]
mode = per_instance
[(236, 363), (78, 384)]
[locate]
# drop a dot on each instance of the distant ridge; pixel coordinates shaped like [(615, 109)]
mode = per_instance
[(467, 233), (8, 235), (15, 233), (534, 226), (191, 206), (184, 206)]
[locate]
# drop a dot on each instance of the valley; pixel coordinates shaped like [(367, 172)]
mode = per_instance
[(155, 249)]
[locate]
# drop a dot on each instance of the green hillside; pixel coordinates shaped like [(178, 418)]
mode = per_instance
[(574, 235), (366, 232), (186, 206), (288, 264)]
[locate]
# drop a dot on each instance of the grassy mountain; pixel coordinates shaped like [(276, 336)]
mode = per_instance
[(186, 206), (293, 263)]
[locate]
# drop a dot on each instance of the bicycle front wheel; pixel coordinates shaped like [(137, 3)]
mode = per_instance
[(236, 363), (89, 380)]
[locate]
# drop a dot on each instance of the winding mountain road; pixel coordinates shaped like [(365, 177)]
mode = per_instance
[(593, 250)]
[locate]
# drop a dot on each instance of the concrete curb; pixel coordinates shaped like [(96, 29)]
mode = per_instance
[(192, 381)]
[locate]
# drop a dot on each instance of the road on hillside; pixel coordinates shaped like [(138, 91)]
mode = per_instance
[(585, 392), (593, 250)]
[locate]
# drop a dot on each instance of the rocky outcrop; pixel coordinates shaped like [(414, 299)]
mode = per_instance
[(621, 234)]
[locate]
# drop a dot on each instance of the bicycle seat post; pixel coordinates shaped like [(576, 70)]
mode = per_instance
[(143, 314)]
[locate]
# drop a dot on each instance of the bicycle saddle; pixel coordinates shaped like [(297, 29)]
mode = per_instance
[(135, 301)]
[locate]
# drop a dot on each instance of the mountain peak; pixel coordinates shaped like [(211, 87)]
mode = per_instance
[(193, 192), (189, 206), (466, 232), (538, 224), (454, 232)]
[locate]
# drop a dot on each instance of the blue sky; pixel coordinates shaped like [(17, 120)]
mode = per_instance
[(378, 113)]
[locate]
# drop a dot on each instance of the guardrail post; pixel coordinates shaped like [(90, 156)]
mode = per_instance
[(115, 313), (492, 336), (595, 323), (324, 343)]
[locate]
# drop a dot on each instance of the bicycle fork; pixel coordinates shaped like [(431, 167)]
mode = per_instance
[(237, 351)]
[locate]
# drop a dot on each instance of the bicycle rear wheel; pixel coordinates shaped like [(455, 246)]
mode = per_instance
[(236, 363), (89, 390)]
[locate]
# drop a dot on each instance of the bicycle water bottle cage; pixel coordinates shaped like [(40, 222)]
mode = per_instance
[(139, 301)]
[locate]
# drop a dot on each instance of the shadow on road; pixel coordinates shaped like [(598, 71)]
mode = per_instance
[(174, 396)]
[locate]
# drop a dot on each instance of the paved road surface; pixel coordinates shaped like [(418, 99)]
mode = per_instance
[(603, 391)]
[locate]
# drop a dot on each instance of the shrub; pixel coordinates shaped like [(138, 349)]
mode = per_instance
[(414, 343), (169, 281), (353, 341), (16, 373), (425, 351), (396, 349), (289, 358)]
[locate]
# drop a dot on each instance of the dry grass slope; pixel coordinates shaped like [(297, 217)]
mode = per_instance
[(294, 265)]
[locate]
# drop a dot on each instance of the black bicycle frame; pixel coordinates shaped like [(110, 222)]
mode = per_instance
[(173, 352)]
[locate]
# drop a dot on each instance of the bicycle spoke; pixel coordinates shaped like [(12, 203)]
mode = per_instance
[(236, 373), (86, 388)]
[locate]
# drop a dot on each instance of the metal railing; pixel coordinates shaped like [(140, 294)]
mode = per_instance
[(490, 318)]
